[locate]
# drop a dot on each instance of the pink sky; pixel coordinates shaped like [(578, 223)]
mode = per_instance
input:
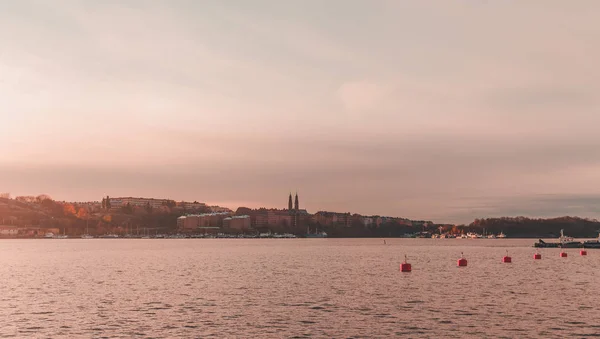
[(425, 109)]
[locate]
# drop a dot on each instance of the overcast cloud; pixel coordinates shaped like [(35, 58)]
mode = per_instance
[(443, 110)]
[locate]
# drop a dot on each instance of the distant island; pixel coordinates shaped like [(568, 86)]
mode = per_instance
[(36, 216)]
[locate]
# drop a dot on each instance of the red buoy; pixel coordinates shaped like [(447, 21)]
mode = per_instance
[(506, 258), (537, 256), (405, 267), (563, 254), (583, 252), (462, 262)]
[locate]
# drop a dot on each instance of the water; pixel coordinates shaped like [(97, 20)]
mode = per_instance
[(294, 288)]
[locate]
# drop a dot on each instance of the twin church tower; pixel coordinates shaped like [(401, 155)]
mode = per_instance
[(296, 206)]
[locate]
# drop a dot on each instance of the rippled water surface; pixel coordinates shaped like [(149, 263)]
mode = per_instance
[(294, 288)]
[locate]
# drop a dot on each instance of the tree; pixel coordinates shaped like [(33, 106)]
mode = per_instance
[(108, 206), (148, 208), (69, 210), (127, 209), (82, 213), (243, 211), (26, 199), (42, 197)]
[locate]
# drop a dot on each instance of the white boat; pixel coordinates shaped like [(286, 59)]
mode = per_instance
[(501, 235), (564, 239), (49, 235), (61, 236), (473, 235), (87, 231), (491, 236)]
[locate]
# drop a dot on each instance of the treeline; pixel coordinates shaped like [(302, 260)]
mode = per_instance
[(521, 227), (76, 219)]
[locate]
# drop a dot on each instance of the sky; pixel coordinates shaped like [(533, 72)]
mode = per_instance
[(437, 110)]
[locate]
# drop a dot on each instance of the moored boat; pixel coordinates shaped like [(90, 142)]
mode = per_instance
[(564, 242), (316, 234), (592, 243), (571, 244), (542, 244)]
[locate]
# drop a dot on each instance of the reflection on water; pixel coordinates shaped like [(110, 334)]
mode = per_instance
[(294, 288)]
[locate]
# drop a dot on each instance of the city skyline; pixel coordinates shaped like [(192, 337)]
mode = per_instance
[(442, 111)]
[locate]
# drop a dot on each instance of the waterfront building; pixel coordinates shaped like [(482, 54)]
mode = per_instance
[(333, 219), (116, 203), (219, 209), (197, 221), (193, 206), (240, 222), (9, 230), (260, 219), (279, 218), (25, 231)]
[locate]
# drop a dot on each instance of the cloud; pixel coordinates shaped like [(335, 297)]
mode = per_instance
[(539, 97), (532, 206), (361, 95)]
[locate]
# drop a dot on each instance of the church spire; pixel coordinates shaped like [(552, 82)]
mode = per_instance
[(296, 205), (290, 202)]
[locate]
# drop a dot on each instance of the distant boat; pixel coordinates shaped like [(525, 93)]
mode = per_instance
[(87, 231), (316, 234), (61, 236), (473, 235), (564, 242), (501, 235), (592, 243), (568, 242), (49, 235), (542, 244), (109, 236)]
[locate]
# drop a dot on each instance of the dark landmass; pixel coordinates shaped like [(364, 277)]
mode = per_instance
[(521, 227), (34, 216)]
